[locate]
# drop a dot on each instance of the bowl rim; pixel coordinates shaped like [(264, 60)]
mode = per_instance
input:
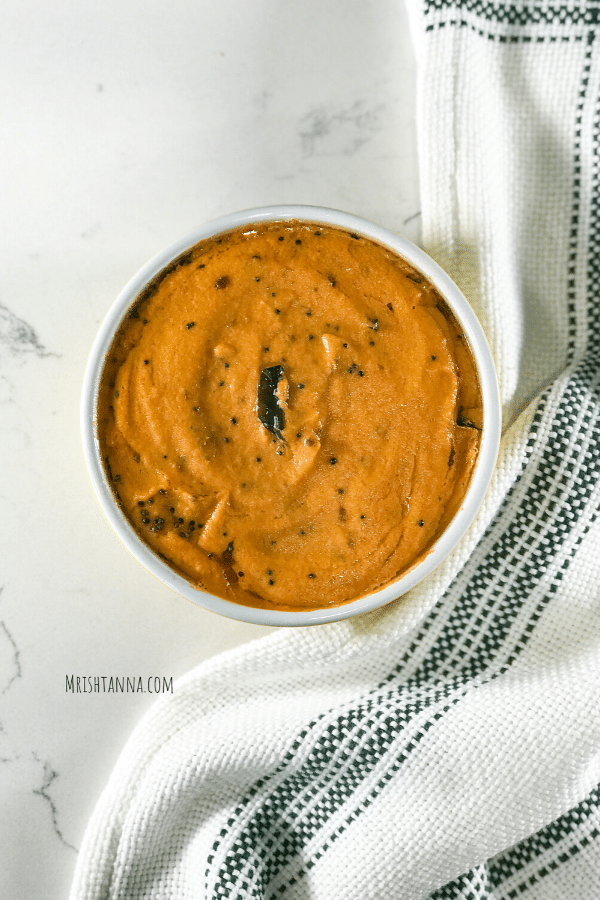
[(480, 479)]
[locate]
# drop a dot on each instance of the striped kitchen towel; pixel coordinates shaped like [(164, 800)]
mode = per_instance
[(447, 746)]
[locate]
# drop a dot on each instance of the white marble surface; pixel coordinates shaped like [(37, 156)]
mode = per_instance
[(125, 124)]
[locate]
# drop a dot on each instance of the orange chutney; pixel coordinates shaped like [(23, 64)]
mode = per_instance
[(289, 416)]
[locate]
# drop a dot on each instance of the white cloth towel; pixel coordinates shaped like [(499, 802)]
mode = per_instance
[(447, 746)]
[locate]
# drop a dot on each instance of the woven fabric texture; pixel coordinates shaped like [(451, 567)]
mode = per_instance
[(447, 746)]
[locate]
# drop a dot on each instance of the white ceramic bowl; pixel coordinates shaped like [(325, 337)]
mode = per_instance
[(489, 439)]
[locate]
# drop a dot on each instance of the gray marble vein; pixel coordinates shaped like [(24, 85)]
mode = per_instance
[(49, 775), (343, 130), (11, 667), (412, 217), (10, 671), (10, 658), (18, 337)]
